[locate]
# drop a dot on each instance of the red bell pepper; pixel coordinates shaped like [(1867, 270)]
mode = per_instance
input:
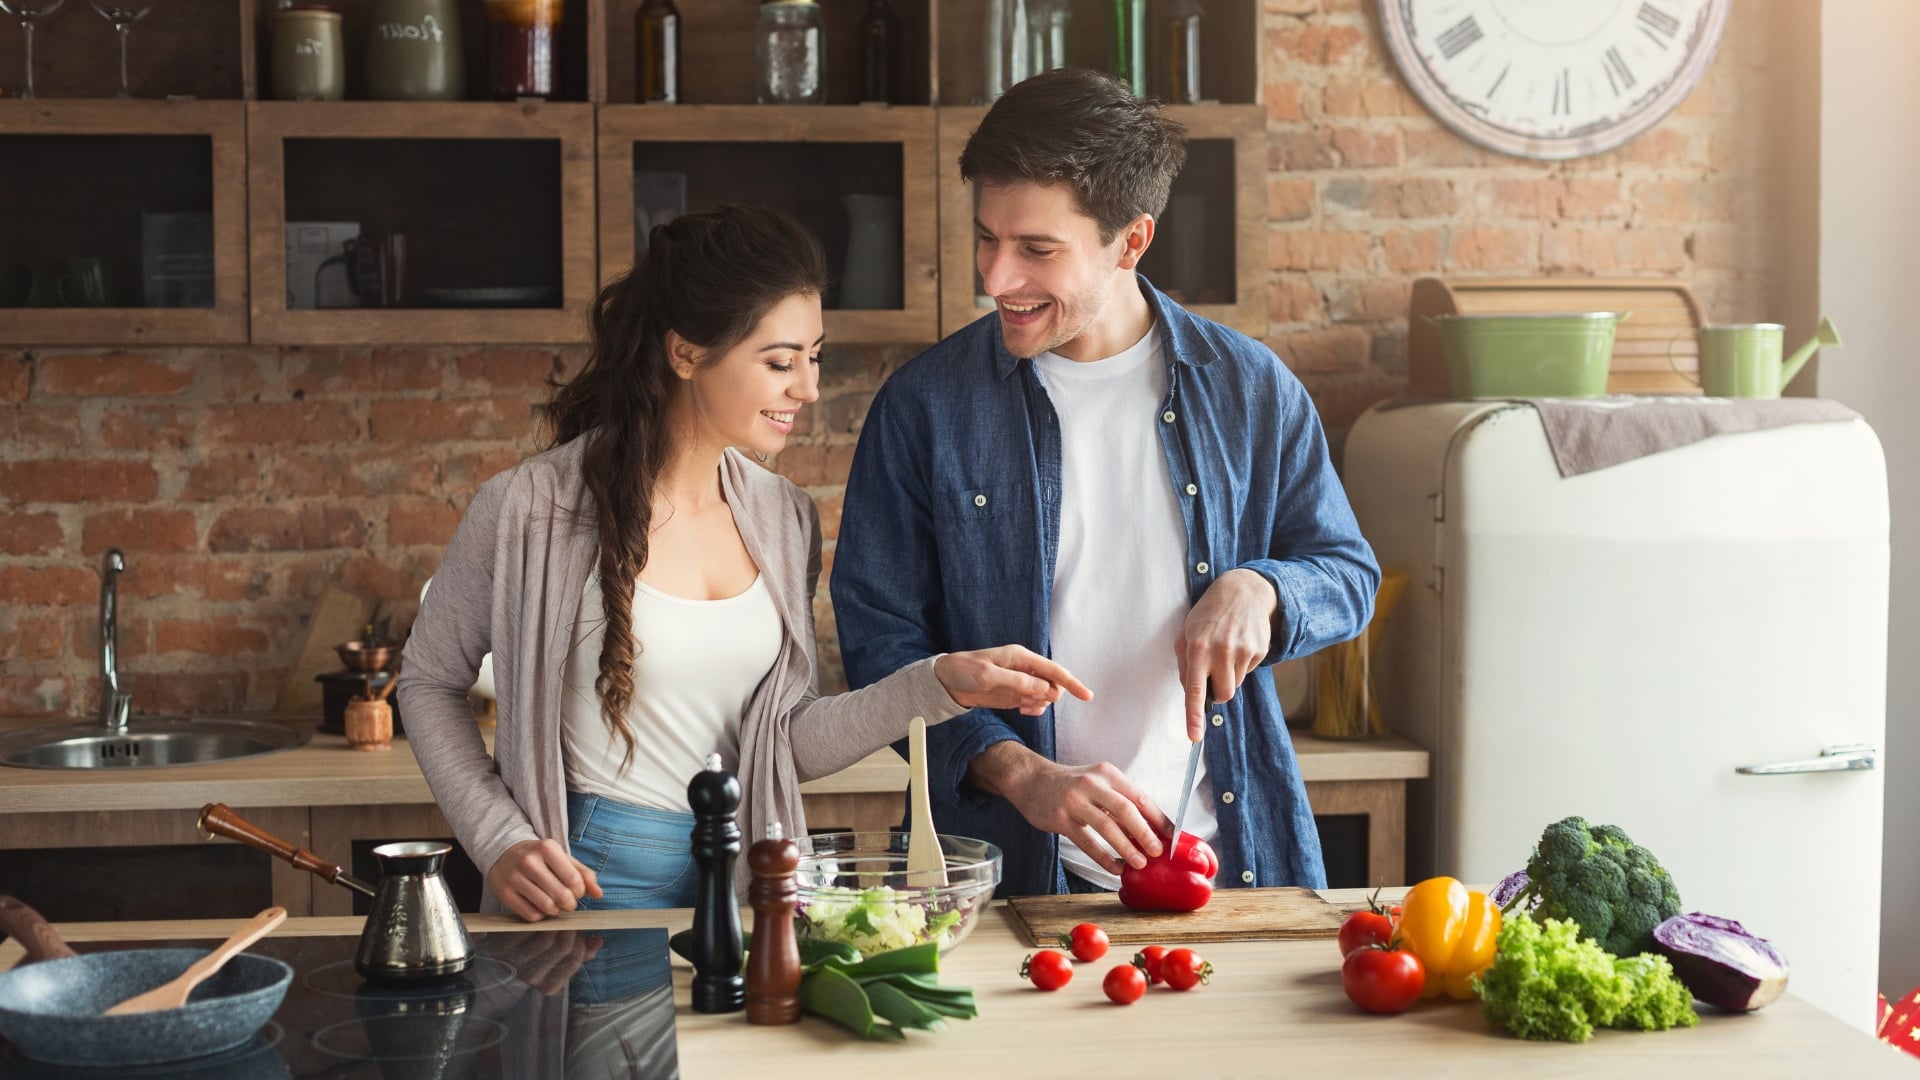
[(1179, 880)]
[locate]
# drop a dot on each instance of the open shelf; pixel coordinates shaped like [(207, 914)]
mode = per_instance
[(489, 196), (120, 191), (1220, 197), (802, 159), (181, 49)]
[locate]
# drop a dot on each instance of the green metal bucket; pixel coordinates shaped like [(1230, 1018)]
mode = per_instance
[(1551, 355)]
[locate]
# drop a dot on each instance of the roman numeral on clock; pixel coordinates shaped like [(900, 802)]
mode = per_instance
[(1457, 37), (1661, 26), (1563, 93), (1618, 74)]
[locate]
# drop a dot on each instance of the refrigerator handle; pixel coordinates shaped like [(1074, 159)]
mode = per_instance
[(1851, 757)]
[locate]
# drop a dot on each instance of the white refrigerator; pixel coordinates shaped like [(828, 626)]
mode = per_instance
[(1691, 645)]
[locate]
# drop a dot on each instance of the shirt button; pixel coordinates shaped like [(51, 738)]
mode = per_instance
[(1226, 796), (979, 500), (1167, 416), (1246, 876), (1218, 719), (1199, 568), (1192, 490)]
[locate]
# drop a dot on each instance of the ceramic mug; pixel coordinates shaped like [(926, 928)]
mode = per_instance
[(376, 268), (23, 286)]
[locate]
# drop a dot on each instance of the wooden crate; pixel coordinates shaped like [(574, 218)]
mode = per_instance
[(1655, 350)]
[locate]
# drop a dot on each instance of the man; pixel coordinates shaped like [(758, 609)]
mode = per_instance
[(1140, 493)]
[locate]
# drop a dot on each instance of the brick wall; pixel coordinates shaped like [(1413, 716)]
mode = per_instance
[(240, 480)]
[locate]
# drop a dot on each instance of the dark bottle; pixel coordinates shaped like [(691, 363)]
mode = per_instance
[(1179, 52), (880, 64), (1129, 41), (656, 52), (523, 48), (718, 985)]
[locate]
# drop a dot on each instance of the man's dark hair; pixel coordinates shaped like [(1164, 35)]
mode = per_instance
[(1086, 130)]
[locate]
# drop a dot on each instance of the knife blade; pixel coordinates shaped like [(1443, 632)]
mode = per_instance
[(1186, 793)]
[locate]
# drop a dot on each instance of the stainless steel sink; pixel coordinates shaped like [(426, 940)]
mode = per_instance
[(146, 742)]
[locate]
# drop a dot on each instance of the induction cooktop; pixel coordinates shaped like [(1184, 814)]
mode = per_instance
[(567, 1004)]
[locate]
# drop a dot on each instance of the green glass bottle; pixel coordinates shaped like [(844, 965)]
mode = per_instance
[(1130, 44)]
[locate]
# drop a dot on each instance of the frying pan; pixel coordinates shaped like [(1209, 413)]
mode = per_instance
[(51, 1009)]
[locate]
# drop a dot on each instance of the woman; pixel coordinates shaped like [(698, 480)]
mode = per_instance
[(646, 592)]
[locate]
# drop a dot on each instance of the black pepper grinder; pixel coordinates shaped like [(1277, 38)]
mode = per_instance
[(773, 969), (718, 985)]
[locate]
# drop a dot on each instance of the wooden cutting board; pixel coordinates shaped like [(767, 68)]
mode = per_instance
[(1232, 915)]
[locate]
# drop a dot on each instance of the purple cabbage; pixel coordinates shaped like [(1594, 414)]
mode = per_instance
[(1721, 962), (1509, 887)]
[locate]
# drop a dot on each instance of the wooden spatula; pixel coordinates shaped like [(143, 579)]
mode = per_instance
[(173, 994), (926, 867)]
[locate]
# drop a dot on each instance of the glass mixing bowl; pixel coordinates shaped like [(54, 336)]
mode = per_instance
[(855, 888)]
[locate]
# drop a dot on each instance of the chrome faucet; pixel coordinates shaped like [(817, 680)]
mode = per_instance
[(115, 706)]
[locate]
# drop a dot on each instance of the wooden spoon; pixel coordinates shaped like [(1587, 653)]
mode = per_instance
[(173, 994), (925, 865)]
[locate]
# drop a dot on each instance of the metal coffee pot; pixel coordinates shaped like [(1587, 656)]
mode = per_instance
[(414, 931)]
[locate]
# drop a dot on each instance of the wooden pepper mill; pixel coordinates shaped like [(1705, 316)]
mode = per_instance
[(369, 719), (773, 965), (718, 986)]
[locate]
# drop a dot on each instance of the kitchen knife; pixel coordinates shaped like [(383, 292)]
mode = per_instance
[(1186, 793)]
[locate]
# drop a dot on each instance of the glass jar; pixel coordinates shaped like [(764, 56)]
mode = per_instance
[(656, 47), (1009, 41), (790, 53), (523, 48), (1049, 22)]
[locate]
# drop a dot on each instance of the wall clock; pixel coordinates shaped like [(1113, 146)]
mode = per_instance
[(1552, 79)]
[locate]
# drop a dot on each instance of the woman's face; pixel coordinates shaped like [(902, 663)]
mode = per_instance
[(748, 397)]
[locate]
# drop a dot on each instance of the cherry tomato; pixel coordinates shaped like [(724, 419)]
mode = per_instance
[(1087, 941), (1124, 984), (1381, 979), (1049, 970), (1149, 961), (1180, 969), (1373, 926)]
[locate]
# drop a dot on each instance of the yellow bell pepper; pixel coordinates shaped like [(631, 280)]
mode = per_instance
[(1452, 930)]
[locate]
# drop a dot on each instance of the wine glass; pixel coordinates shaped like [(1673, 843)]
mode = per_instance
[(28, 12), (122, 14)]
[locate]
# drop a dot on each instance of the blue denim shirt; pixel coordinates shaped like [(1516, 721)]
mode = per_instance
[(951, 527)]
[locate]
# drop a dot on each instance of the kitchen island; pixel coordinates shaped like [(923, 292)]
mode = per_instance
[(1273, 1008)]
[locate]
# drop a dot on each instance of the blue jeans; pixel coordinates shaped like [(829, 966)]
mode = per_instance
[(643, 857)]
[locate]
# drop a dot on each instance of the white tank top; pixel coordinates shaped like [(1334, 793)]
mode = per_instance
[(696, 663)]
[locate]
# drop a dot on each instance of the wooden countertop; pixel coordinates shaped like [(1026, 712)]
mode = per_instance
[(1272, 1007), (325, 772)]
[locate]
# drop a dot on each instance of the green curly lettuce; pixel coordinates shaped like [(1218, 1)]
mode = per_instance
[(1546, 982)]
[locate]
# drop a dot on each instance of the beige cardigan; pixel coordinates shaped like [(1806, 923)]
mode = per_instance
[(510, 584)]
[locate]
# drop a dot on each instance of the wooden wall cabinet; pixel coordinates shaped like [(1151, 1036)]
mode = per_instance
[(84, 172), (490, 196), (541, 194), (813, 155)]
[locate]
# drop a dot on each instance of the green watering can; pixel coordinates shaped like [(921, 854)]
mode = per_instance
[(1742, 360)]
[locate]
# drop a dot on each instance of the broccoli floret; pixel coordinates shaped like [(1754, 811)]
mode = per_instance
[(1596, 876)]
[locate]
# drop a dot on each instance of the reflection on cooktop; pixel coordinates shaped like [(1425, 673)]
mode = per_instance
[(567, 1004)]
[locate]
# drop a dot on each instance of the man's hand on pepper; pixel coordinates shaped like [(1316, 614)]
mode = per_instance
[(1224, 638), (1097, 807)]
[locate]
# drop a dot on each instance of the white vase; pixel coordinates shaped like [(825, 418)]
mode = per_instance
[(872, 277)]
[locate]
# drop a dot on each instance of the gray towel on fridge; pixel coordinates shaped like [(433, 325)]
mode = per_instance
[(1593, 433)]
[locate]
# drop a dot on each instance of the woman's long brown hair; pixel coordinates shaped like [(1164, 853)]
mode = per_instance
[(709, 276)]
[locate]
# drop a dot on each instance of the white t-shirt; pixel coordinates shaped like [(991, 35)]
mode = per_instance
[(1120, 583), (696, 663)]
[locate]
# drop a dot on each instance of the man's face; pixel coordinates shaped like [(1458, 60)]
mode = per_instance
[(1041, 259)]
